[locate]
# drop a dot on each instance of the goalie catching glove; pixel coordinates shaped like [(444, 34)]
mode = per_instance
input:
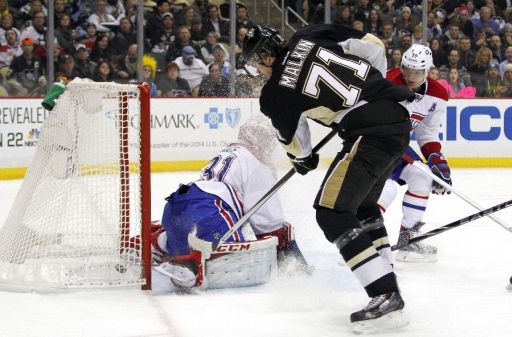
[(306, 164), (439, 166)]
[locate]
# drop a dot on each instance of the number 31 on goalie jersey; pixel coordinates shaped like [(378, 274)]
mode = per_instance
[(319, 72), (217, 168)]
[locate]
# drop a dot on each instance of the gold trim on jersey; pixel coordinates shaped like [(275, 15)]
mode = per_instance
[(334, 182), (322, 114), (294, 148)]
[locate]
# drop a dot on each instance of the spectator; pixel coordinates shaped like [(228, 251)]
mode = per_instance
[(64, 33), (359, 25), (4, 8), (207, 49), (31, 8), (405, 23), (319, 13), (116, 9), (101, 49), (455, 86), (417, 34), (453, 62), (438, 55), (154, 20), (103, 72), (36, 31), (495, 47), (128, 64), (479, 67), (361, 10), (215, 84), (125, 37), (506, 35), (172, 85), (467, 54), (10, 49), (389, 36), (396, 59), (60, 8), (344, 16), (6, 23), (67, 68), (86, 35), (434, 73), (187, 16), (240, 37), (215, 23), (192, 69), (507, 81), (494, 86), (451, 38), (163, 36), (200, 7), (485, 21), (463, 21), (197, 34), (149, 73), (480, 40), (82, 9), (83, 65), (374, 23), (242, 17), (508, 60), (184, 39), (434, 30), (101, 19), (405, 42), (219, 57), (27, 71)]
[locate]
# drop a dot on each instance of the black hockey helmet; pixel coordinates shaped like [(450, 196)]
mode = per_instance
[(262, 39)]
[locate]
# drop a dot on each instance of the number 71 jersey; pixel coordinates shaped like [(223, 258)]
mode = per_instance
[(318, 77)]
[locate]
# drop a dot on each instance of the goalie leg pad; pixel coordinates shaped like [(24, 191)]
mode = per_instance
[(243, 264)]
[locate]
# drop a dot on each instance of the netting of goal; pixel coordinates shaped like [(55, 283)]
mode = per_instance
[(79, 213)]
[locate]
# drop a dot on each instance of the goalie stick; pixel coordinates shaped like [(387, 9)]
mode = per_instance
[(456, 223), (206, 247), (416, 164)]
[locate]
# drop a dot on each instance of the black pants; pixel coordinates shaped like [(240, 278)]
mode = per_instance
[(375, 136)]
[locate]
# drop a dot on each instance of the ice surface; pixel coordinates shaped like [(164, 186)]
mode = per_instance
[(461, 295)]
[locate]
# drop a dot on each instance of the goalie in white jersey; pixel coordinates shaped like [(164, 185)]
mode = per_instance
[(231, 184), (426, 112)]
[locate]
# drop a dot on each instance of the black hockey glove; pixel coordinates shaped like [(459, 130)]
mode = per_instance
[(306, 164)]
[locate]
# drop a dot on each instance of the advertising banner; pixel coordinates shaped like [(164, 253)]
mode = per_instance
[(475, 132)]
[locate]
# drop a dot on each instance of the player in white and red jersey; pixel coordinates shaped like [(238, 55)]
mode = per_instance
[(230, 185), (427, 112)]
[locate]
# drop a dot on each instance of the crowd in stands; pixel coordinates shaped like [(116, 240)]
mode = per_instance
[(185, 42)]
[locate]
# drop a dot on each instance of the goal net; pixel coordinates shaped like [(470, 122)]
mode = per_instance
[(84, 205)]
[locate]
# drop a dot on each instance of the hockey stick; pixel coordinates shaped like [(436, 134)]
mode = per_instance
[(207, 248), (429, 173), (456, 223)]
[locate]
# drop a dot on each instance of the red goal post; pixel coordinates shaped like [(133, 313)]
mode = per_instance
[(82, 216)]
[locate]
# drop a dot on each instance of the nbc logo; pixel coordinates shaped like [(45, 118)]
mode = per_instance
[(33, 137)]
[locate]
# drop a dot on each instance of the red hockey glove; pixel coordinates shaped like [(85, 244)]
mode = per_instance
[(439, 166)]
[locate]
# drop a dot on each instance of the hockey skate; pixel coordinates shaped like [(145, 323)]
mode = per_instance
[(509, 285), (417, 251), (384, 312)]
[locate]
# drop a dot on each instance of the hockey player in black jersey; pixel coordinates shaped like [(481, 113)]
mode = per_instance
[(335, 76)]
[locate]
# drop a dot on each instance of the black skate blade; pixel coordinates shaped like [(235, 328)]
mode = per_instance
[(391, 321)]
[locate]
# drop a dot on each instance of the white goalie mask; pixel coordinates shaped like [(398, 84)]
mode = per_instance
[(416, 64), (259, 136)]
